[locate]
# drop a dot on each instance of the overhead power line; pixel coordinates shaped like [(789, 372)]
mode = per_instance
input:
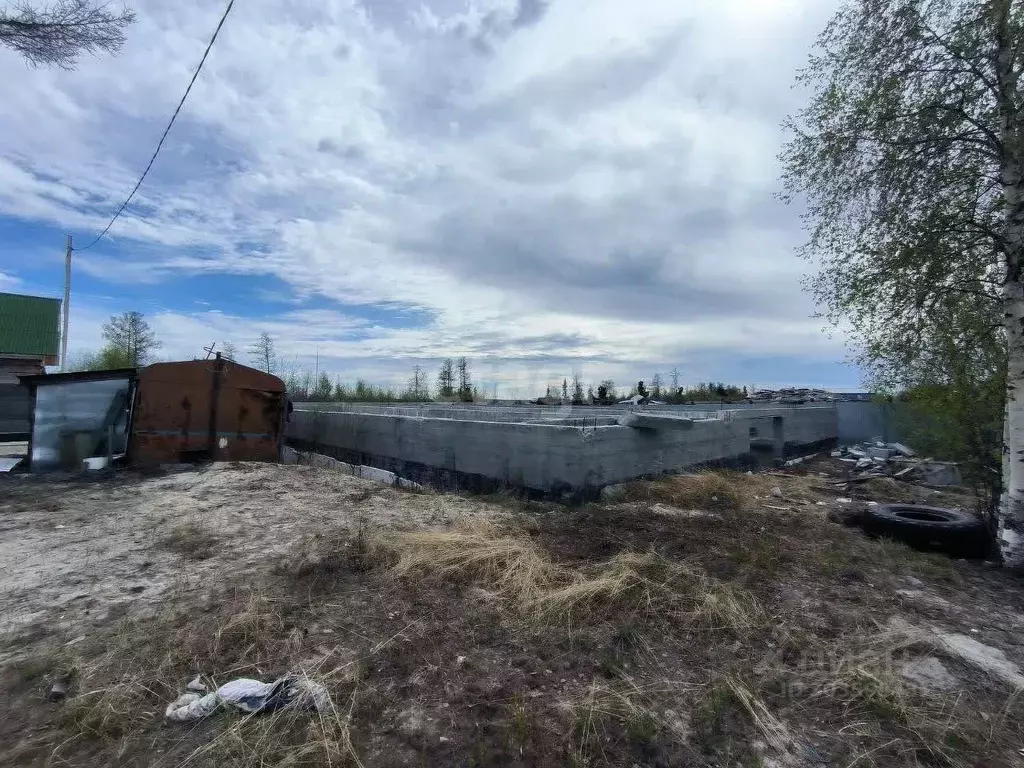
[(167, 130)]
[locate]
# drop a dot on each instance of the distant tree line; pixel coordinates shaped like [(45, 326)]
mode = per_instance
[(130, 342)]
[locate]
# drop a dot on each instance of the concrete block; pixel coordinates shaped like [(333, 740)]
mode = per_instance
[(289, 456), (941, 473), (639, 420), (409, 484), (379, 475)]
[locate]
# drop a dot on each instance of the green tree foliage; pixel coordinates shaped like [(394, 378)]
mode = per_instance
[(106, 359), (130, 340), (323, 389), (910, 161)]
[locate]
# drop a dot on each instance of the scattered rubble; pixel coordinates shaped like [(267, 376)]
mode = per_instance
[(792, 396), (876, 458), (929, 673)]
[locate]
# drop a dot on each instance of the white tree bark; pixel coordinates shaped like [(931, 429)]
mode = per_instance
[(1011, 133), (1011, 503)]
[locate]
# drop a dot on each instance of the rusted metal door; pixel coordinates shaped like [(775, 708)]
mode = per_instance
[(207, 410)]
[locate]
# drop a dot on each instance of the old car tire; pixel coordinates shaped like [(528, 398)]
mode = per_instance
[(960, 534)]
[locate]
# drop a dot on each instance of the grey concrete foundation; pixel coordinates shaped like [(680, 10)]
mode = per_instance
[(552, 451)]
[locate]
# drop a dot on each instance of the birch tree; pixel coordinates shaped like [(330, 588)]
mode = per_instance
[(910, 160)]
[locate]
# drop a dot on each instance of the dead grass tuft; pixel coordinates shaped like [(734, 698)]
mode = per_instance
[(192, 541), (775, 734), (653, 586), (514, 568), (606, 714), (111, 711), (476, 550), (704, 490), (324, 556), (867, 683)]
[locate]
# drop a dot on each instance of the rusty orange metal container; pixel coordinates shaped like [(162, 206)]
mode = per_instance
[(206, 410)]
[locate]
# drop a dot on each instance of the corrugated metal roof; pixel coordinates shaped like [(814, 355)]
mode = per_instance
[(29, 325)]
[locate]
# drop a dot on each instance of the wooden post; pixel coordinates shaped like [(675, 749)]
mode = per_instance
[(67, 307)]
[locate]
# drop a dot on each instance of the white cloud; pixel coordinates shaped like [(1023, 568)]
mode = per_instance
[(579, 179)]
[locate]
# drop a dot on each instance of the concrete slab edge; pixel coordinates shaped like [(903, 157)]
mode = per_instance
[(356, 470)]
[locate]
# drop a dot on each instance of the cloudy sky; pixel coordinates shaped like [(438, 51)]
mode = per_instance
[(544, 186)]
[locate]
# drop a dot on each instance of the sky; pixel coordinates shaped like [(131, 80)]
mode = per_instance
[(547, 187)]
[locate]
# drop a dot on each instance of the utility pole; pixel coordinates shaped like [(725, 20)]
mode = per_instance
[(67, 307)]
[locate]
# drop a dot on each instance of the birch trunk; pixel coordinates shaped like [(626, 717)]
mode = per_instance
[(1011, 503)]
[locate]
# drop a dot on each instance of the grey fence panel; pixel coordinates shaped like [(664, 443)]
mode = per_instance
[(14, 409)]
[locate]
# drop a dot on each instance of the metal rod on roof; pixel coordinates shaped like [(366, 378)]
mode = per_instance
[(66, 308)]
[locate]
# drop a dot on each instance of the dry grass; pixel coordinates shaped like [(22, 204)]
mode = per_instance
[(192, 541), (511, 566), (775, 734), (122, 687), (284, 738), (704, 490), (605, 714), (322, 557), (373, 616), (653, 586), (867, 683), (476, 550)]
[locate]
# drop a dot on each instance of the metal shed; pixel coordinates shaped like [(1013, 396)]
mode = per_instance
[(74, 416), (207, 410)]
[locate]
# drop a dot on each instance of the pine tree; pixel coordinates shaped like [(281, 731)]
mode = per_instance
[(262, 353), (446, 379), (465, 384)]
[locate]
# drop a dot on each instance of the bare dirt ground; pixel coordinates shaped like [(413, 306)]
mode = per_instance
[(720, 619)]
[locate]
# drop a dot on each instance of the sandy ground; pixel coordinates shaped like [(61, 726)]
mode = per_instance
[(76, 551), (835, 650)]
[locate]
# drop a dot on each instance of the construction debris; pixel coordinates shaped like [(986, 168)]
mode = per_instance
[(792, 396), (876, 458), (250, 696)]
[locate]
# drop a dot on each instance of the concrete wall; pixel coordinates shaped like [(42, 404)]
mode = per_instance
[(552, 456), (859, 422), (548, 458), (810, 425)]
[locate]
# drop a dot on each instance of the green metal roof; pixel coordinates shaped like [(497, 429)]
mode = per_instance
[(29, 325)]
